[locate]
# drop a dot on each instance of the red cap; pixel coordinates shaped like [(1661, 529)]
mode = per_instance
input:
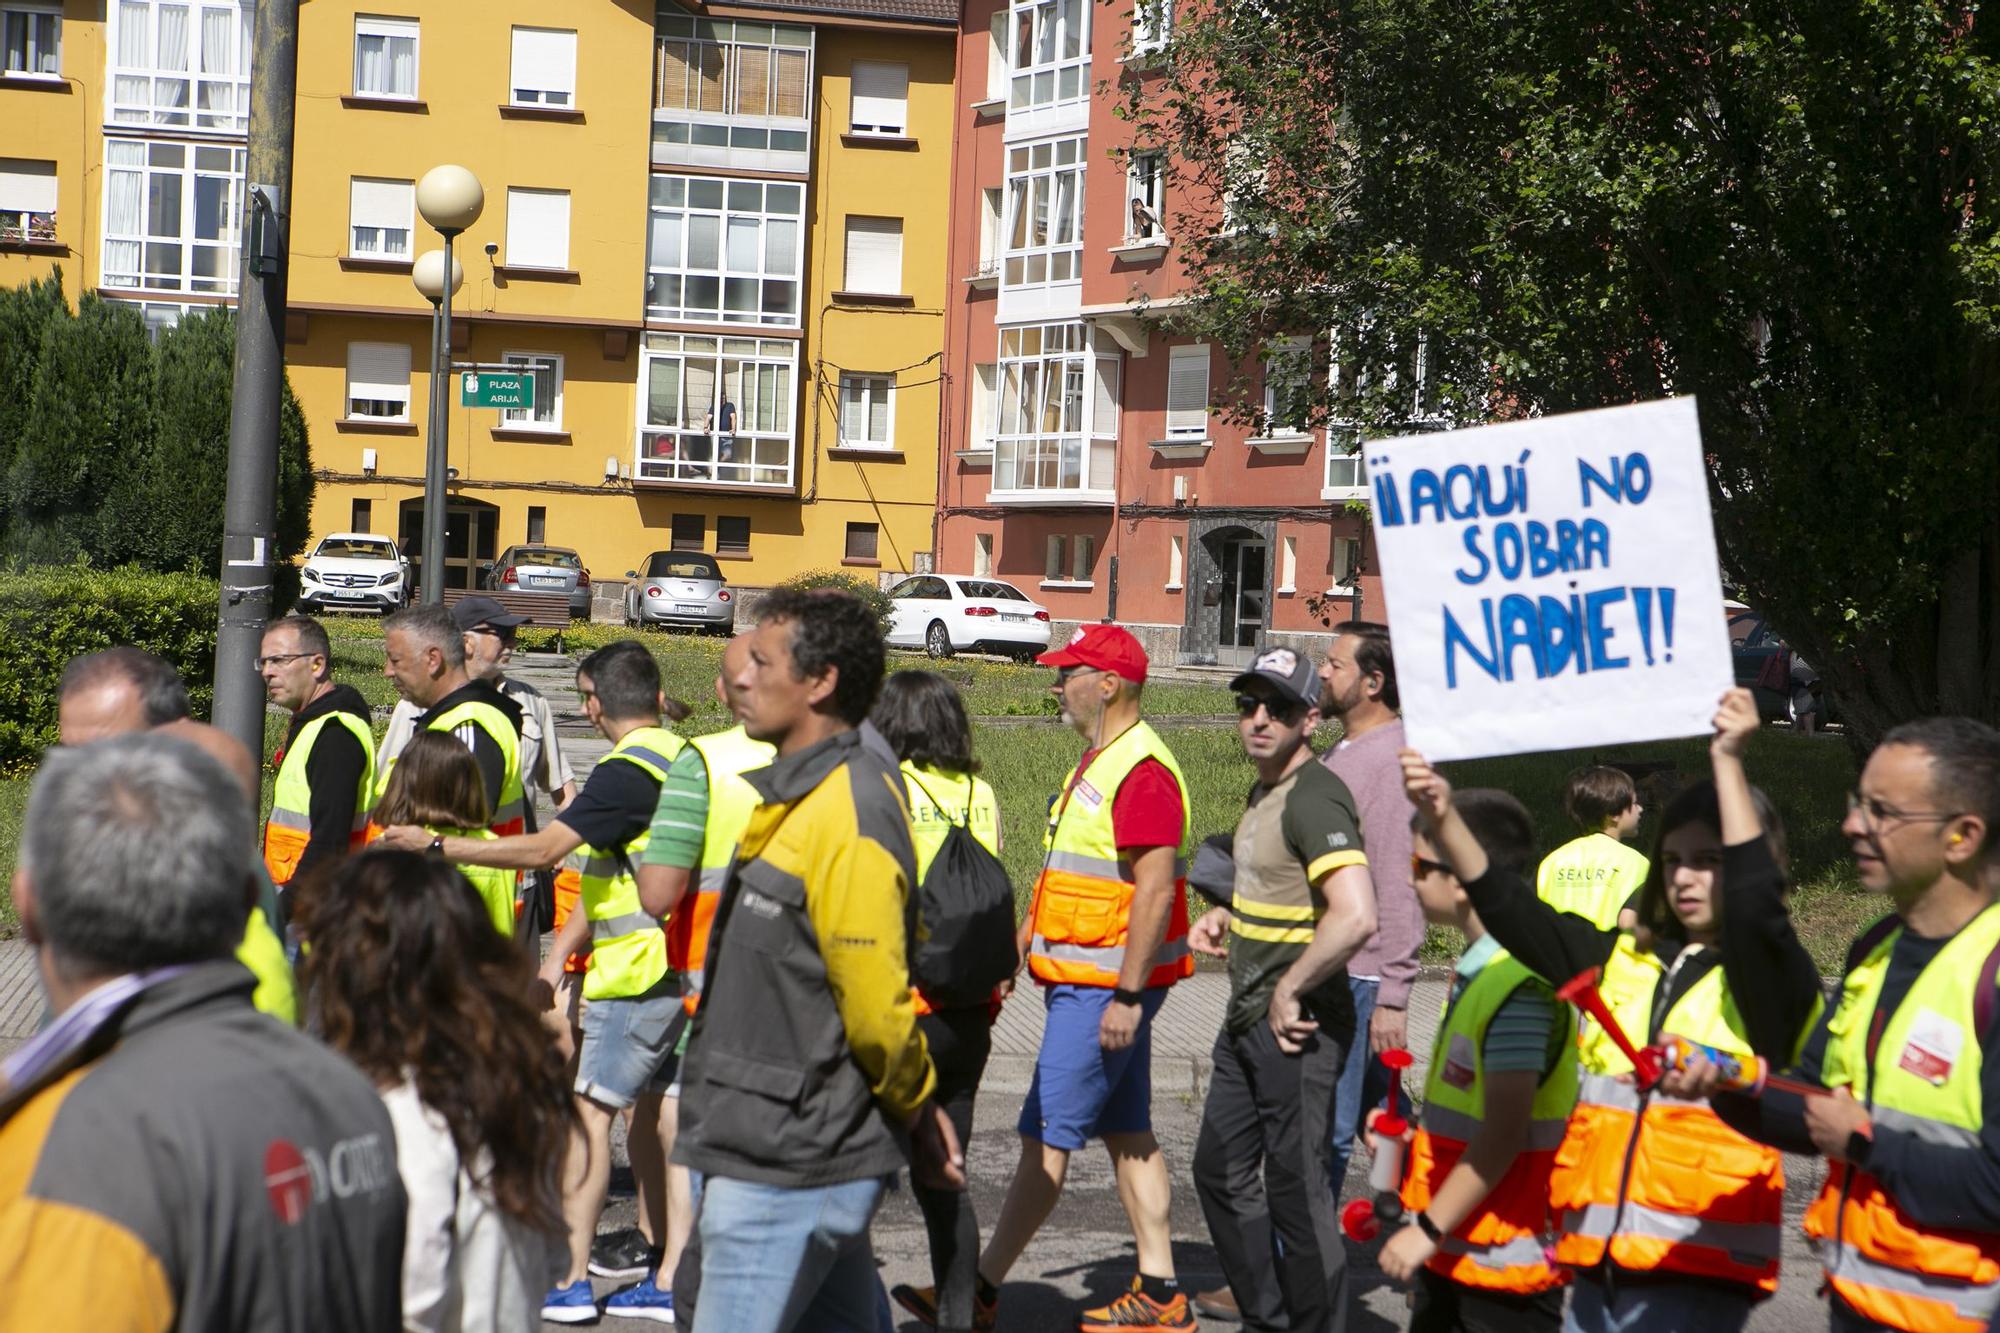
[(1106, 647)]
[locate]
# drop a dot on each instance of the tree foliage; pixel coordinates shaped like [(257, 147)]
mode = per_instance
[(1775, 207)]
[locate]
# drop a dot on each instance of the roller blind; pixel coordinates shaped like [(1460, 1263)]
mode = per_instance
[(544, 65), (538, 228), (1187, 391), (380, 203), (874, 255), (881, 97), (1104, 404), (27, 185), (379, 370)]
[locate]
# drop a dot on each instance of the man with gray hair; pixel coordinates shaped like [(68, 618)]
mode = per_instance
[(185, 1161), (424, 654)]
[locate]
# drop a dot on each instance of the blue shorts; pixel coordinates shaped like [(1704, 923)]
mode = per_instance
[(629, 1048), (1082, 1091)]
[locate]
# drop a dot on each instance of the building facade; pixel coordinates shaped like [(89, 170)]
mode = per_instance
[(715, 241), (1083, 458)]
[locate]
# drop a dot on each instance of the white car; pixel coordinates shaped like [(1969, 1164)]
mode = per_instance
[(951, 613), (354, 571)]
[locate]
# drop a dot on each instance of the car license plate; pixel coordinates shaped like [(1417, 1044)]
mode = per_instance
[(548, 583), (347, 596), (690, 609), (1006, 619)]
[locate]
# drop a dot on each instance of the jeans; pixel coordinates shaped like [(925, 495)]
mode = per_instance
[(959, 1041), (1364, 1081), (776, 1259), (1443, 1306), (1669, 1305)]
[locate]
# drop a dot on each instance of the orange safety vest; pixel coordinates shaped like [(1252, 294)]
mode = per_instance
[(288, 830), (1082, 909)]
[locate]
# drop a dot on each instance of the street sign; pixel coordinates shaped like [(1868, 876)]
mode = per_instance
[(496, 388)]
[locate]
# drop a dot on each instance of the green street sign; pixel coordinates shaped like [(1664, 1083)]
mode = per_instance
[(496, 388)]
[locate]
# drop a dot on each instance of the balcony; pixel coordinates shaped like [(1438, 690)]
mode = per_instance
[(1053, 470), (669, 457), (733, 95), (27, 230)]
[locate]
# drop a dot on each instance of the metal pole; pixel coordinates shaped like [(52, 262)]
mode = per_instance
[(250, 507), (437, 458)]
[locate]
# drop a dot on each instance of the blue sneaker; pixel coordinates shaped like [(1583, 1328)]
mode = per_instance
[(573, 1304), (644, 1301)]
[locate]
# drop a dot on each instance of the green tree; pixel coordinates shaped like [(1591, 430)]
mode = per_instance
[(1778, 208), (25, 314)]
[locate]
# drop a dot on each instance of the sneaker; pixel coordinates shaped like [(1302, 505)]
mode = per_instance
[(1219, 1304), (570, 1305), (1136, 1312), (922, 1302), (644, 1301), (623, 1255)]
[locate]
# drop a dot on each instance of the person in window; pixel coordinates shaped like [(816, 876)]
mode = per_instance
[(726, 426)]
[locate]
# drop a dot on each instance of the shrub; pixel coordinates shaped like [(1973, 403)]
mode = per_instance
[(48, 616), (873, 597)]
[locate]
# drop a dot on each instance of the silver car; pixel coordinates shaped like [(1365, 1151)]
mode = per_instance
[(680, 588), (541, 569)]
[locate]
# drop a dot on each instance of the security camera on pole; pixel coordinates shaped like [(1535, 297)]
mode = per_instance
[(450, 198)]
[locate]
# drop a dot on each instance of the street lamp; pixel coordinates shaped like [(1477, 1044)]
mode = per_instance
[(450, 198)]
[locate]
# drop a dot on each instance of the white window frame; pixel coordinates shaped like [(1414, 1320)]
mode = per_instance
[(547, 413), (1280, 355), (864, 391), (763, 446), (1152, 25), (208, 90), (992, 220), (40, 29), (1044, 227), (985, 407), (390, 28), (535, 256), (1346, 472), (1146, 186), (28, 199), (391, 351), (1176, 561), (128, 255), (706, 76), (982, 555), (1049, 53), (739, 204), (527, 88), (879, 113), (1288, 565), (996, 56), (1342, 554), (1047, 441), (382, 246), (874, 256), (1183, 422)]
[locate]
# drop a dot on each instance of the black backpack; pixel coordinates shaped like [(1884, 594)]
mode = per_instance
[(965, 903)]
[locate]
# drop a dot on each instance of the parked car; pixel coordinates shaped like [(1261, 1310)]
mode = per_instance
[(680, 588), (540, 569), (1756, 656), (354, 571), (950, 613)]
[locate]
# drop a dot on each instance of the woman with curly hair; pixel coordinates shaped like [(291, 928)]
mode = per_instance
[(406, 977)]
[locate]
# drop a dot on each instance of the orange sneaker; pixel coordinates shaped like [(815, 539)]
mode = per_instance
[(1136, 1312), (922, 1302)]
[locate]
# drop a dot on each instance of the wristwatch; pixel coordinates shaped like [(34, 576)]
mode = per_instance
[(1127, 996), (1429, 1228), (1859, 1145), (437, 845)]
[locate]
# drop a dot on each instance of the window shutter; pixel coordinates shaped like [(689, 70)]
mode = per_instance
[(881, 97), (1187, 391), (1104, 402), (1086, 553), (378, 203), (1053, 569), (27, 185), (996, 56), (538, 228), (545, 62), (874, 255), (379, 370), (983, 384)]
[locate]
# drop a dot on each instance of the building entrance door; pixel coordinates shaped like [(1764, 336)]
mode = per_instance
[(471, 539), (1242, 604)]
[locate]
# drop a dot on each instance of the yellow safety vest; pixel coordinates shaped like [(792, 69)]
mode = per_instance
[(264, 954), (940, 799), (728, 755), (628, 945), (510, 808), (289, 827), (1592, 876)]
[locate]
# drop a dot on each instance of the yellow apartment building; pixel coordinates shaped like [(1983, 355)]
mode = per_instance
[(716, 239)]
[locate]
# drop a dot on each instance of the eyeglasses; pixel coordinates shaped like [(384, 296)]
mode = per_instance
[(1877, 813), (276, 659), (1069, 673), (1421, 866), (504, 635), (1283, 712)]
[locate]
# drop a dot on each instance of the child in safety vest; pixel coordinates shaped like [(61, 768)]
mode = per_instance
[(1596, 875), (436, 784), (1501, 1081), (1669, 1218)]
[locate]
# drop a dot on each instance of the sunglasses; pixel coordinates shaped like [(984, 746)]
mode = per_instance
[(1420, 866), (1282, 712)]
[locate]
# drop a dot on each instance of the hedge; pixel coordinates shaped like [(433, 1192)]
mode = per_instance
[(48, 616)]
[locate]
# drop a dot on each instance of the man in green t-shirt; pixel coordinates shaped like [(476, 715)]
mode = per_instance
[(1303, 904)]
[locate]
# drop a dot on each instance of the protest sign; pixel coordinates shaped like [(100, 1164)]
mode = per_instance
[(1552, 583)]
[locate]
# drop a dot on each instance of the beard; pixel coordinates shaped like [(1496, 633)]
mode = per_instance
[(1335, 705)]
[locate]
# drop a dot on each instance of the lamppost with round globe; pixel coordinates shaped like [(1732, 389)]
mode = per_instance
[(451, 199)]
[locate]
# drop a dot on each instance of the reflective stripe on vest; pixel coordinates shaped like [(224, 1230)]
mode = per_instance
[(727, 756), (1887, 1266), (1751, 1239), (628, 944), (289, 828), (1083, 899)]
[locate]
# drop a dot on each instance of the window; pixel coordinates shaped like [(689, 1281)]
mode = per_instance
[(33, 42), (1051, 53), (1056, 434), (717, 410), (1287, 365), (170, 216), (1152, 20), (182, 65), (27, 199), (1057, 554), (725, 251), (1069, 559), (867, 411), (982, 553), (874, 255), (992, 210), (362, 517), (1044, 213), (1176, 560), (381, 214), (1346, 555), (732, 535), (546, 414), (1187, 392), (378, 381), (985, 400), (538, 524), (730, 93), (385, 57), (538, 229), (1083, 553), (881, 98), (544, 67), (861, 541), (1288, 564), (690, 532), (1146, 197), (996, 57)]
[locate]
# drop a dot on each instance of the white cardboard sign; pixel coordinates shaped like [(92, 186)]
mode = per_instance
[(1552, 584)]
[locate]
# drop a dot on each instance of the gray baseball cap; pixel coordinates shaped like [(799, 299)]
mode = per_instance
[(1290, 673)]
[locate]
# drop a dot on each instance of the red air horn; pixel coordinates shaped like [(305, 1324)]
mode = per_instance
[(1362, 1219), (1752, 1075), (1581, 991)]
